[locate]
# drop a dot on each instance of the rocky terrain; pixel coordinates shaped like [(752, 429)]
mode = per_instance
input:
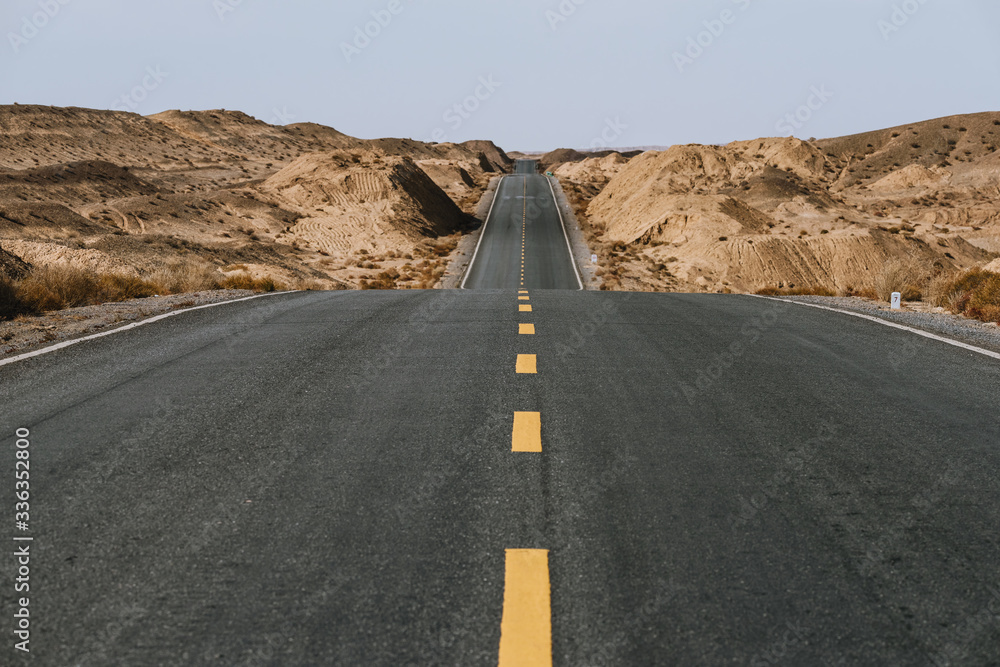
[(302, 204), (305, 205), (826, 215)]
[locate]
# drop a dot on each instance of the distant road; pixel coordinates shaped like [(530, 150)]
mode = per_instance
[(523, 244), (327, 478)]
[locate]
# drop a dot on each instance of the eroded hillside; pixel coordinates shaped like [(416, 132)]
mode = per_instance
[(792, 213), (109, 190)]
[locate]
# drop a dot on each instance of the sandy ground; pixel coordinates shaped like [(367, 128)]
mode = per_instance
[(582, 252), (784, 212), (26, 334), (303, 204)]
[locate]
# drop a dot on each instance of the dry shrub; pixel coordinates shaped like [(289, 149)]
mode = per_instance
[(245, 281), (123, 288), (865, 292), (810, 290), (974, 293), (181, 277), (308, 285), (58, 287), (49, 288), (908, 277), (437, 249)]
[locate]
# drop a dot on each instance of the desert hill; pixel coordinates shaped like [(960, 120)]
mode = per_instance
[(561, 156), (808, 213), (348, 200), (114, 189)]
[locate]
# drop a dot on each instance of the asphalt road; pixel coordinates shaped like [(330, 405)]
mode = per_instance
[(327, 478), (523, 244)]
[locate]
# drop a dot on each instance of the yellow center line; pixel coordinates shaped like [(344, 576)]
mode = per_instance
[(526, 626), (524, 309), (526, 329), (527, 433), (523, 298), (527, 364)]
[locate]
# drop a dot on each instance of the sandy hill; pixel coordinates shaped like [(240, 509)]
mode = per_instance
[(351, 200), (113, 189), (787, 211), (555, 159), (493, 153), (560, 156), (592, 168)]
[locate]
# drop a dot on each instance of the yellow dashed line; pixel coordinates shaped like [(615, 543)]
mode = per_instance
[(527, 364), (526, 329), (524, 308), (527, 434), (526, 627), (524, 298)]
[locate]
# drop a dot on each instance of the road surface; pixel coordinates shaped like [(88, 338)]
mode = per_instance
[(523, 244), (327, 478)]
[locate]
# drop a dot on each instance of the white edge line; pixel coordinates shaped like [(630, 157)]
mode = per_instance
[(894, 325), (489, 214), (128, 327), (562, 222)]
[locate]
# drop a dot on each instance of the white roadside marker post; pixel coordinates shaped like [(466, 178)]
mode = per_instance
[(593, 259), (897, 301)]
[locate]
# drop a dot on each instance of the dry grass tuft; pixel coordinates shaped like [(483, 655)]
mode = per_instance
[(974, 293), (812, 290), (246, 281), (182, 277), (58, 287), (384, 280), (49, 288), (908, 277)]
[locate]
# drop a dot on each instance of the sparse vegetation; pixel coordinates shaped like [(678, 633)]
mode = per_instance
[(811, 290), (908, 277), (974, 293), (57, 287), (246, 281)]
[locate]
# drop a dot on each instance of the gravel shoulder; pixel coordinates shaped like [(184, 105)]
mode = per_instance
[(919, 316), (462, 255), (581, 251), (27, 334)]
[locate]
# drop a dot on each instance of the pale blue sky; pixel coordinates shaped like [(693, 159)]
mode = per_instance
[(609, 67)]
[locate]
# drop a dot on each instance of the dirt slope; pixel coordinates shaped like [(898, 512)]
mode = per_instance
[(119, 190), (790, 212), (351, 200), (12, 266)]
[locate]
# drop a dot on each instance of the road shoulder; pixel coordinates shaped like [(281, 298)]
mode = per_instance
[(578, 243)]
